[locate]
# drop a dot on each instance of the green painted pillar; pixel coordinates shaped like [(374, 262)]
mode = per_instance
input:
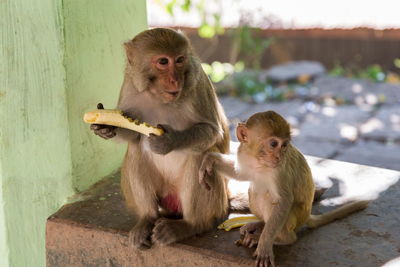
[(58, 58)]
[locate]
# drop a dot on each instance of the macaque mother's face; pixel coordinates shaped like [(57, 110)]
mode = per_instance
[(169, 76)]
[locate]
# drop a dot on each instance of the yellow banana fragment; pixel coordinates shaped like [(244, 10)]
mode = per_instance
[(115, 118), (237, 222)]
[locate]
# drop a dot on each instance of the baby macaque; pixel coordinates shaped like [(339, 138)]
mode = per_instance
[(281, 188)]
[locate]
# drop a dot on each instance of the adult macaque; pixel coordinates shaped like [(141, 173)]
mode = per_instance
[(165, 85), (281, 188)]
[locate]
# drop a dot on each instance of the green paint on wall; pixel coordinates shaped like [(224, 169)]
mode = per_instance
[(4, 252), (57, 60), (35, 151), (95, 32)]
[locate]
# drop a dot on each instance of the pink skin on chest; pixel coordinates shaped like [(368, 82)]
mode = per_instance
[(171, 203)]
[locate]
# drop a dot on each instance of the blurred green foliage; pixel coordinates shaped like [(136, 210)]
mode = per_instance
[(210, 22), (396, 62), (373, 73), (252, 45), (248, 42)]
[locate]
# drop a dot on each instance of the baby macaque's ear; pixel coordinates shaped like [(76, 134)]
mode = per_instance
[(129, 51), (242, 133)]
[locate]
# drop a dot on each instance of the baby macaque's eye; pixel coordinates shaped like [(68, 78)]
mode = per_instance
[(274, 143), (163, 61), (285, 144), (180, 59)]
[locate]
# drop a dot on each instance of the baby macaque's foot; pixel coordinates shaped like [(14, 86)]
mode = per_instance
[(252, 228), (249, 240)]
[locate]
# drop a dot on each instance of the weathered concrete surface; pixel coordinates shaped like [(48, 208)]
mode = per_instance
[(94, 231)]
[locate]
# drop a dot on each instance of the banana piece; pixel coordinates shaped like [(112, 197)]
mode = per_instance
[(114, 117), (237, 222)]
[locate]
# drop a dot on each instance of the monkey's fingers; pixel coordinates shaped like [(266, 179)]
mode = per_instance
[(209, 168), (239, 242), (206, 184), (202, 179), (264, 260), (250, 240)]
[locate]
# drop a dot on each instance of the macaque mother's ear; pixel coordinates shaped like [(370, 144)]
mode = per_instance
[(129, 51), (242, 133)]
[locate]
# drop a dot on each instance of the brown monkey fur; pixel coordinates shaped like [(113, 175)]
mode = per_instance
[(165, 85), (281, 188)]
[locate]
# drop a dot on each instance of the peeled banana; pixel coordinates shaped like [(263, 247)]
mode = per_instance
[(114, 117), (237, 222)]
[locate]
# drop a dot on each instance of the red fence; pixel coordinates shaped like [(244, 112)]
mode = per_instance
[(358, 47)]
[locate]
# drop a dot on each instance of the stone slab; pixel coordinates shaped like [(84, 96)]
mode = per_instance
[(373, 154), (357, 91), (385, 125), (233, 106), (239, 111), (293, 70), (292, 111), (94, 230), (338, 123), (323, 149)]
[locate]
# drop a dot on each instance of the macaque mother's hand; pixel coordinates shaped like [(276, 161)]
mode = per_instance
[(165, 143), (104, 131)]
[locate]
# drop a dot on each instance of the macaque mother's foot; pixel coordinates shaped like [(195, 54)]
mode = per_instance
[(140, 235), (167, 231)]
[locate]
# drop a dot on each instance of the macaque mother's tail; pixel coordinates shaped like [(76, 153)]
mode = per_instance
[(318, 220)]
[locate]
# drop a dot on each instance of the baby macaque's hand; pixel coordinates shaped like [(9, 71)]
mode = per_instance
[(264, 255), (165, 143), (104, 131), (206, 169)]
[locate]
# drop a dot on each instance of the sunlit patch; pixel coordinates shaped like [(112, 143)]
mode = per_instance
[(357, 88), (293, 121), (329, 111), (311, 107), (348, 132), (372, 125), (330, 102), (393, 263), (359, 100), (371, 99), (394, 118), (356, 182), (294, 132)]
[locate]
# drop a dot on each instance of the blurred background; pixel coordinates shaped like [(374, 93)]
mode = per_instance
[(331, 68)]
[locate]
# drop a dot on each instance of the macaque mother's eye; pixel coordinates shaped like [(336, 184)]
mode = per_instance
[(163, 61)]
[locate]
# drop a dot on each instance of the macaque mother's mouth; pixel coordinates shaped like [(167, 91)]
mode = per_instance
[(175, 93)]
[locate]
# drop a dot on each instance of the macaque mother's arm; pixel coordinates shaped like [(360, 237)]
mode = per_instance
[(199, 137)]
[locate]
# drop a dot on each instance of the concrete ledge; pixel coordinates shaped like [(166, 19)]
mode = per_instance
[(94, 231)]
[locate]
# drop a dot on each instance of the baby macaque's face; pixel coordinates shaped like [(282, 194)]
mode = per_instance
[(258, 142)]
